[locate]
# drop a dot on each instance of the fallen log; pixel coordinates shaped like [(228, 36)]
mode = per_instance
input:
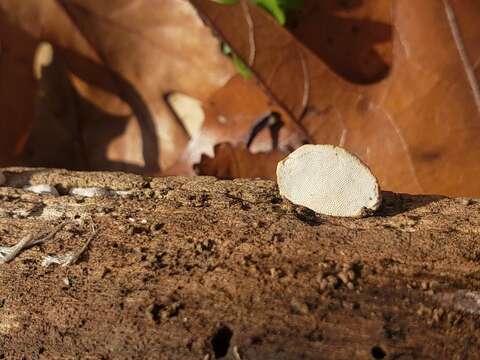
[(199, 268)]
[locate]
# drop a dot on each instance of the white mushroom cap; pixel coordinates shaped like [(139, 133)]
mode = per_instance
[(3, 179), (328, 180)]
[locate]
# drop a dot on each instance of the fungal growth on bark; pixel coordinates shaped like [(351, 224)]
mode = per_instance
[(328, 180), (42, 189)]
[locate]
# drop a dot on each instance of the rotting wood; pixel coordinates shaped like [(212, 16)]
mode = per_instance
[(194, 268)]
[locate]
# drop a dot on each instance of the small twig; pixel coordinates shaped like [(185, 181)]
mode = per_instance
[(8, 253), (71, 257), (251, 33), (76, 255), (50, 235)]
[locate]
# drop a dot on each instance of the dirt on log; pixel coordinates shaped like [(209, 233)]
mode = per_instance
[(198, 268)]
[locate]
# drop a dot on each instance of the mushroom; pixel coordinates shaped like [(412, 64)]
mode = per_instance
[(328, 180)]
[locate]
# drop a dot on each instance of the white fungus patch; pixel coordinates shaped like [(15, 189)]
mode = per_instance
[(42, 189), (124, 193), (328, 180), (461, 300), (63, 260), (89, 191)]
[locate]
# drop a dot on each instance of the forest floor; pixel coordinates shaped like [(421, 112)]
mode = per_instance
[(199, 268)]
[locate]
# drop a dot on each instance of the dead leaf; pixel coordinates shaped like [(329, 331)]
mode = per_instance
[(121, 58), (17, 87), (241, 113), (353, 38), (418, 129), (231, 162)]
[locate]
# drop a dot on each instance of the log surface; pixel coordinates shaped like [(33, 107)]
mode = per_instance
[(198, 268)]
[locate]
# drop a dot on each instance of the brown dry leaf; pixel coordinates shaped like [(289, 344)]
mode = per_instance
[(101, 103), (418, 129), (352, 37), (241, 113), (231, 162), (15, 69)]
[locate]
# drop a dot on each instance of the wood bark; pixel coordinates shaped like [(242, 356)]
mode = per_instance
[(198, 268)]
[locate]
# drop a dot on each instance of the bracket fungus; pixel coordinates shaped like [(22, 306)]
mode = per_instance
[(328, 180)]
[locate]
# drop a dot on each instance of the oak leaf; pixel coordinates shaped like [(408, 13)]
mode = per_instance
[(418, 128), (231, 162), (118, 59)]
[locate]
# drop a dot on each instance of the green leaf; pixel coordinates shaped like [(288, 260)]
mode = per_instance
[(274, 8), (277, 8), (225, 2), (226, 49), (241, 67)]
